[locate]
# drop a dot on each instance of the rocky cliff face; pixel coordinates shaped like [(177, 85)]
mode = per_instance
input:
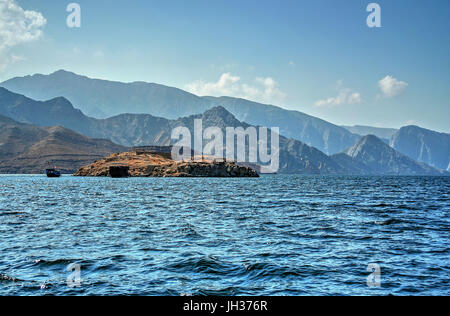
[(423, 145), (310, 130), (375, 157), (154, 165)]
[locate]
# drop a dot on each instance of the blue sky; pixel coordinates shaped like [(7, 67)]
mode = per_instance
[(318, 57)]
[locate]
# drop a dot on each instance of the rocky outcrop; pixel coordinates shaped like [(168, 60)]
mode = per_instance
[(155, 165)]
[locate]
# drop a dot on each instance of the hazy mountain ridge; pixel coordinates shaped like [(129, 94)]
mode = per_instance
[(382, 133), (57, 111), (102, 98), (430, 147), (26, 148), (372, 156)]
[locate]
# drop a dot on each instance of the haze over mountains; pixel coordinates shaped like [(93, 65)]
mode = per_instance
[(102, 99), (423, 145), (373, 156), (383, 133), (144, 129), (417, 143)]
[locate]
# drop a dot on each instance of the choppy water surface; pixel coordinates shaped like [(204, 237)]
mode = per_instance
[(277, 235)]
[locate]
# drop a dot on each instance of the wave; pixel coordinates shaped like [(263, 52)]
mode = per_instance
[(7, 278), (206, 264), (388, 222)]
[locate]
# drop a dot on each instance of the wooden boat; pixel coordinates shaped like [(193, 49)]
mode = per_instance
[(53, 173)]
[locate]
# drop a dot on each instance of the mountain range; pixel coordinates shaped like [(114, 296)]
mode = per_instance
[(101, 99), (144, 129), (383, 133), (423, 145), (372, 156), (26, 148)]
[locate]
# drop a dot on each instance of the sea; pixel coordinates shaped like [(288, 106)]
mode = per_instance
[(278, 235)]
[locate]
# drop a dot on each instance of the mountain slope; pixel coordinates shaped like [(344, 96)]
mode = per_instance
[(26, 148), (423, 145), (58, 111), (313, 131), (295, 156), (382, 133), (101, 99), (380, 159)]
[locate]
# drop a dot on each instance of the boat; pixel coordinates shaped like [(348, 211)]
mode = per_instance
[(53, 173)]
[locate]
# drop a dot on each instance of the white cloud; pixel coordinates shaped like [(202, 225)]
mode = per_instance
[(17, 26), (391, 87), (261, 90), (345, 96)]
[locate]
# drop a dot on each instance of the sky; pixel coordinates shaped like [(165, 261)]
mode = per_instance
[(319, 57)]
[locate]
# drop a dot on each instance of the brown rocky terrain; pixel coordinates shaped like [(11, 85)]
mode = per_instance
[(30, 149), (161, 165)]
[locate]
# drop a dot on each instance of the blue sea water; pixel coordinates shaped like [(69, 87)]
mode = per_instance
[(277, 235)]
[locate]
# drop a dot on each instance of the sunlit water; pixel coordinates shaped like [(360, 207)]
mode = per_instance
[(277, 235)]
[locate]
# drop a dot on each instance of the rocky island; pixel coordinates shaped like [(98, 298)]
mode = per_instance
[(146, 164)]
